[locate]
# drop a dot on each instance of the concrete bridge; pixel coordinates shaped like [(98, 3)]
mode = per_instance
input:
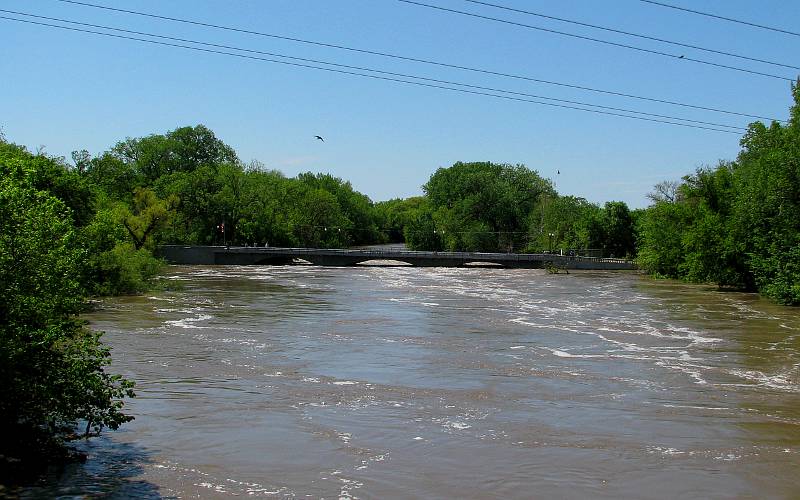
[(179, 254)]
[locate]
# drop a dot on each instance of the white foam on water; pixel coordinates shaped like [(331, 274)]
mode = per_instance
[(564, 354), (216, 487), (782, 381), (166, 310), (693, 407), (347, 487), (230, 486), (694, 371), (345, 382), (240, 341), (664, 333), (522, 321), (663, 450), (670, 357), (189, 323), (458, 425)]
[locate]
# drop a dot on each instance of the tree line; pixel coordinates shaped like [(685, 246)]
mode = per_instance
[(489, 207), (736, 224)]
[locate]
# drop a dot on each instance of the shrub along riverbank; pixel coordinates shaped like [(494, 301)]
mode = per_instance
[(52, 368), (737, 224)]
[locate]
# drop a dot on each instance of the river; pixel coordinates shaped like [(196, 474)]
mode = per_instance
[(397, 382)]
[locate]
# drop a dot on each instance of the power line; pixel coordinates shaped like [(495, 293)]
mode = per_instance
[(361, 68), (596, 40), (376, 77), (715, 16), (628, 33), (417, 60)]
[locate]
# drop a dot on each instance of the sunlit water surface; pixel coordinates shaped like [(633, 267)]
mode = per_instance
[(446, 383)]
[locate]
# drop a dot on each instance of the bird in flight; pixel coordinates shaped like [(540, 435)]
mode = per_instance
[(320, 138)]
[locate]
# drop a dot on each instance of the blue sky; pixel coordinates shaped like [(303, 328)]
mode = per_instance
[(68, 91)]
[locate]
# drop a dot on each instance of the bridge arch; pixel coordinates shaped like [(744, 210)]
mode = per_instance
[(384, 263), (483, 263)]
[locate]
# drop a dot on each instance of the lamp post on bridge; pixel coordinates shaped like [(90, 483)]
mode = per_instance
[(551, 242)]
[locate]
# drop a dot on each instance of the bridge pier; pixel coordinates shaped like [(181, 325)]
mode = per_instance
[(332, 260)]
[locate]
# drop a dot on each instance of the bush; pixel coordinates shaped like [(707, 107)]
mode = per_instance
[(113, 265), (52, 369), (126, 270)]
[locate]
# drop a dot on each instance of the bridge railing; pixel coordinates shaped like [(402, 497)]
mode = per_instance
[(389, 254)]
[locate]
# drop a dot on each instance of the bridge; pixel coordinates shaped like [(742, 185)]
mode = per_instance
[(180, 254)]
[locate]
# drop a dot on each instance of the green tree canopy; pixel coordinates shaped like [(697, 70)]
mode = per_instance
[(483, 205), (737, 224), (52, 370), (184, 149)]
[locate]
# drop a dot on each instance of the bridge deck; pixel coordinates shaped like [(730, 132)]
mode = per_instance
[(178, 254)]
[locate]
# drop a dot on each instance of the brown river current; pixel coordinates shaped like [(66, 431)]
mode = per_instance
[(396, 382)]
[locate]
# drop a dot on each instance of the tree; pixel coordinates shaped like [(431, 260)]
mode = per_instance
[(184, 149), (52, 369), (710, 253), (149, 215), (738, 224), (394, 215), (766, 212), (568, 218), (112, 265), (53, 175), (420, 231), (666, 191), (355, 206), (484, 204), (114, 177), (618, 232), (317, 219), (264, 211)]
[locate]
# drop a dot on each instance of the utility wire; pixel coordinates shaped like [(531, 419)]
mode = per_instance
[(376, 77), (361, 68), (417, 60), (596, 40), (715, 16), (628, 33)]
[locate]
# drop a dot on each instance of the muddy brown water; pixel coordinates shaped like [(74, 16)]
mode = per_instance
[(381, 382)]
